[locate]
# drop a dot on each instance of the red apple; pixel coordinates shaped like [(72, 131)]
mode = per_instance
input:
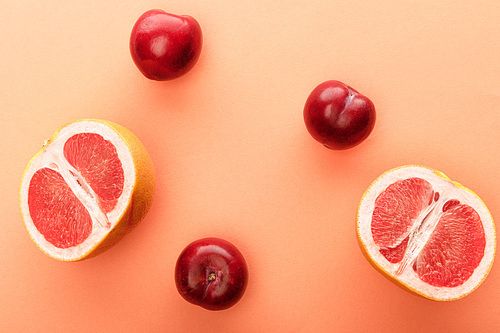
[(338, 116), (165, 46), (211, 273)]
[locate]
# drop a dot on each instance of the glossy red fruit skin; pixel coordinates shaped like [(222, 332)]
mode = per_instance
[(165, 46), (212, 273), (338, 116)]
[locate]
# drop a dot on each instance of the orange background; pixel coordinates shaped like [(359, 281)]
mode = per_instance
[(234, 160)]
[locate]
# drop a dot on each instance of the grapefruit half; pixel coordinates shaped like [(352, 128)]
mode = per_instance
[(428, 234), (90, 184)]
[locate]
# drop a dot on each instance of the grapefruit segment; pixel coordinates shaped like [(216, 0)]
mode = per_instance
[(55, 210), (454, 250), (91, 183), (96, 160), (426, 233), (395, 254), (398, 208)]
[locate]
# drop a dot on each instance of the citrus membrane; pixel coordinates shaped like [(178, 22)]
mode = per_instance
[(427, 233)]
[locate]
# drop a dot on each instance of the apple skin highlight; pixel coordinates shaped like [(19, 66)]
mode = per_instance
[(212, 273), (338, 116), (165, 46)]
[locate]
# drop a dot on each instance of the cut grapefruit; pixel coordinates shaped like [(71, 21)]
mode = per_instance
[(428, 234), (90, 184)]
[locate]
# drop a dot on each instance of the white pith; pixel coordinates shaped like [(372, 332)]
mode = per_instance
[(52, 156), (447, 190)]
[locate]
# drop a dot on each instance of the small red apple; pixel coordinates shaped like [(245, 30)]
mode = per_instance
[(338, 116), (211, 273), (165, 46)]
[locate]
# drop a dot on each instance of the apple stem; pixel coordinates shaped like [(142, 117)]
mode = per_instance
[(350, 97), (211, 277)]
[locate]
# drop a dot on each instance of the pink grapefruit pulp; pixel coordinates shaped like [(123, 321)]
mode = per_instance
[(427, 233), (90, 184)]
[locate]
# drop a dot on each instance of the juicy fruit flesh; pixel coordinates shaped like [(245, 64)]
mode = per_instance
[(55, 210), (460, 237), (397, 209), (58, 210), (97, 161), (442, 239)]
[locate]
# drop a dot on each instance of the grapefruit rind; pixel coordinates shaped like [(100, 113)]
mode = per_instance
[(409, 280), (132, 206)]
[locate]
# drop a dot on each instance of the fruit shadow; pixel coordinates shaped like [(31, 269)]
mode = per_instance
[(347, 166), (176, 95)]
